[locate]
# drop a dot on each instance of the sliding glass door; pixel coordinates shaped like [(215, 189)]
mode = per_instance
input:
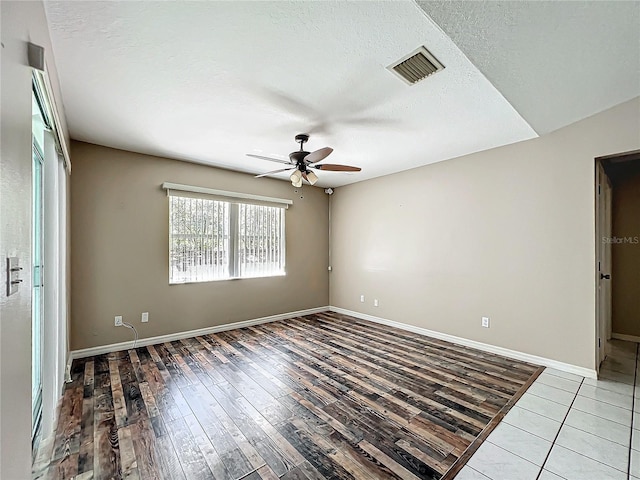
[(37, 309)]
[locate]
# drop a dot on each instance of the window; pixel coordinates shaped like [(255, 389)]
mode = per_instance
[(211, 239)]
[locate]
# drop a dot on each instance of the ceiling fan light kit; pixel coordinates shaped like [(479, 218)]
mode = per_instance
[(301, 161), (296, 178), (312, 178)]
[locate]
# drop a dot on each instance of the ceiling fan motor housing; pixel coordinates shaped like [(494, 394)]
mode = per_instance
[(298, 157)]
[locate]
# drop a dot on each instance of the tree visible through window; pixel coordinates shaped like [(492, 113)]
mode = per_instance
[(215, 240)]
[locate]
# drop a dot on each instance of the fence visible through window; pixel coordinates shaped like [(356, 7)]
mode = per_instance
[(215, 240)]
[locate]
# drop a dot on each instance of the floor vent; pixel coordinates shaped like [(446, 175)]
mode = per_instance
[(416, 66)]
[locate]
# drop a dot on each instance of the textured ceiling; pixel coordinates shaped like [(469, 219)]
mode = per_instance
[(211, 81), (557, 62)]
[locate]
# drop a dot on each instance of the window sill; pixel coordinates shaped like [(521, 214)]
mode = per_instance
[(284, 274)]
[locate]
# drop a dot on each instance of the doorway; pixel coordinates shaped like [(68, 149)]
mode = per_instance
[(617, 242)]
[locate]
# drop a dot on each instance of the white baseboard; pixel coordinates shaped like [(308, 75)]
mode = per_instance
[(485, 347), (115, 347), (628, 338), (526, 357)]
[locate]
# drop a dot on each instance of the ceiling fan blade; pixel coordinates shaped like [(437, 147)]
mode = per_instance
[(275, 171), (337, 168), (318, 155), (287, 162)]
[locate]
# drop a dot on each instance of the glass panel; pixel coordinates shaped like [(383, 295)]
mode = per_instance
[(261, 241), (198, 240), (37, 306)]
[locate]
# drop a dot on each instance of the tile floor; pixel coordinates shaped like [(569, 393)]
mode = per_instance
[(569, 427)]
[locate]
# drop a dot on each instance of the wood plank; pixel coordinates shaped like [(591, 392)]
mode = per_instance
[(189, 455), (343, 453), (127, 455), (436, 402), (309, 470), (129, 383), (266, 473), (215, 463), (457, 355), (206, 409), (314, 454), (85, 457), (119, 405), (169, 464), (290, 454), (144, 445), (84, 476), (64, 468), (308, 398), (295, 474), (441, 347), (106, 454), (68, 433), (433, 371), (388, 462)]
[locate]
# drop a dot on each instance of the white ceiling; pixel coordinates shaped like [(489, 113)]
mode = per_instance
[(557, 62), (211, 81)]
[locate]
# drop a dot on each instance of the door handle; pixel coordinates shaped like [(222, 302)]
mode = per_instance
[(605, 276)]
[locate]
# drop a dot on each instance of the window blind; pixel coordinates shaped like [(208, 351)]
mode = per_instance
[(217, 237)]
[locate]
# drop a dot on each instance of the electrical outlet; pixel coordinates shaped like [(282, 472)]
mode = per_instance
[(118, 321), (485, 322), (362, 298), (375, 302), (145, 317)]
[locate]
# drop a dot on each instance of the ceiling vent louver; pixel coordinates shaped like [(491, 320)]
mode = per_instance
[(416, 66)]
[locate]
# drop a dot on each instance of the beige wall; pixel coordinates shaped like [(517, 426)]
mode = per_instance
[(21, 22), (506, 233), (119, 239), (626, 258)]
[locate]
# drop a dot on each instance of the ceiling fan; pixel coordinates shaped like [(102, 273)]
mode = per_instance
[(301, 162)]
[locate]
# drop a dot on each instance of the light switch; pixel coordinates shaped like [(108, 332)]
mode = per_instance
[(14, 272)]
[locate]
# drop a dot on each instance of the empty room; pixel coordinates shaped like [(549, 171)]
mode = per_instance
[(309, 240)]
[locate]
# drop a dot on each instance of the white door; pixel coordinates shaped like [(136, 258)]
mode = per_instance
[(603, 261)]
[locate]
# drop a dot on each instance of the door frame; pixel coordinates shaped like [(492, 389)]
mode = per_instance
[(603, 210)]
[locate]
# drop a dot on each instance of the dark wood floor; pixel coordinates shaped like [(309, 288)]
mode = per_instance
[(321, 396)]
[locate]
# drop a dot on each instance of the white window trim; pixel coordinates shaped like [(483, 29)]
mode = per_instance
[(223, 193)]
